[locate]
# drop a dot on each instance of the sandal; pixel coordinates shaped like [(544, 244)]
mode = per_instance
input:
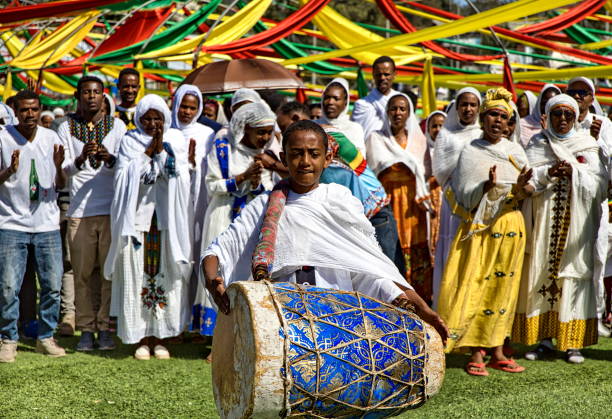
[(476, 369), (508, 365)]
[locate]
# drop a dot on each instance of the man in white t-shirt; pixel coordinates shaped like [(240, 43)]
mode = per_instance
[(31, 158), (91, 140)]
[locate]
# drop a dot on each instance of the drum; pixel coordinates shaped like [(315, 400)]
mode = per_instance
[(293, 350)]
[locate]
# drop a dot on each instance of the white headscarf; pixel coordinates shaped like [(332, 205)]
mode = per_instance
[(59, 112), (352, 130), (148, 102), (516, 135), (111, 104), (384, 151), (7, 114), (453, 123), (452, 139), (252, 114), (47, 113), (532, 100), (430, 141), (598, 109), (181, 92), (535, 117), (245, 94)]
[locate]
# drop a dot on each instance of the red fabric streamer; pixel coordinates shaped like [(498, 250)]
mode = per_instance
[(289, 25), (585, 55), (300, 95), (136, 28), (565, 20), (52, 9), (508, 80), (401, 22)]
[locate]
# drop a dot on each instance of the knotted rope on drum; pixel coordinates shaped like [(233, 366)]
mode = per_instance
[(391, 378)]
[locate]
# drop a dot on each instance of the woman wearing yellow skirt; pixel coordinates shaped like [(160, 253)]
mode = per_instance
[(481, 279)]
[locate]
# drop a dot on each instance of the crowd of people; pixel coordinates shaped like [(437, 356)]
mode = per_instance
[(489, 219)]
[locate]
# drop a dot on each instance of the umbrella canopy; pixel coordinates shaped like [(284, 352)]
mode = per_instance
[(231, 75)]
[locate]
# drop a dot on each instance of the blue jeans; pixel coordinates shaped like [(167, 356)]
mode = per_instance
[(388, 238), (47, 248)]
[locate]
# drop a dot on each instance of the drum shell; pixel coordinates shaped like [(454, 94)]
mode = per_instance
[(249, 356)]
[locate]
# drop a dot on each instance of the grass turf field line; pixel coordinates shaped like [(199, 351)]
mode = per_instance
[(115, 385)]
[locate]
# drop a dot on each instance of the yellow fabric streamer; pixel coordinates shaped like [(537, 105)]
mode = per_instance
[(600, 71), (345, 34), (507, 12), (230, 30), (50, 50), (141, 81), (8, 86), (596, 45), (50, 81), (428, 88)]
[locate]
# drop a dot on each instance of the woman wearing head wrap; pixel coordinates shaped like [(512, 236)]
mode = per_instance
[(46, 119), (334, 111), (235, 175), (481, 279), (526, 103), (532, 123), (109, 105), (149, 260), (7, 115), (398, 156), (559, 294), (460, 127), (433, 125), (187, 106)]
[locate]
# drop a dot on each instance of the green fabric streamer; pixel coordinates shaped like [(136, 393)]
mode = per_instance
[(168, 37), (362, 85), (126, 5)]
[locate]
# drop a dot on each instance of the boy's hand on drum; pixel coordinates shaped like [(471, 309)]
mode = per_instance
[(215, 284), (427, 314), (217, 289)]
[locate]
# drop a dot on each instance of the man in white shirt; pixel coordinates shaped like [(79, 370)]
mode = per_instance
[(370, 112), (128, 84), (31, 158), (91, 140)]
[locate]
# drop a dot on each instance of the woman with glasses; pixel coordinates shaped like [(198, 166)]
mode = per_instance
[(558, 297), (481, 279)]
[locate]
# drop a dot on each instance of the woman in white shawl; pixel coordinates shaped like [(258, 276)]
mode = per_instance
[(481, 279), (433, 126), (149, 260), (397, 154), (334, 111), (532, 123), (234, 176), (186, 109), (460, 127), (559, 292)]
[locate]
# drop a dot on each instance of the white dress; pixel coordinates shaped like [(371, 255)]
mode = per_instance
[(147, 187), (558, 296)]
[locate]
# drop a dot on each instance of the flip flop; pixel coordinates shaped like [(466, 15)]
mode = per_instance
[(509, 365), (476, 369)]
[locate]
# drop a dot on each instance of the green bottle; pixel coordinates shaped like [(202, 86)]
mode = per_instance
[(34, 185)]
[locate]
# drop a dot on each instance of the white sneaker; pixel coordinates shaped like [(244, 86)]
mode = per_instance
[(161, 352), (143, 353), (573, 356)]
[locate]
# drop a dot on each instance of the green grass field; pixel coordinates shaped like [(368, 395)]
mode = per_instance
[(114, 385)]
